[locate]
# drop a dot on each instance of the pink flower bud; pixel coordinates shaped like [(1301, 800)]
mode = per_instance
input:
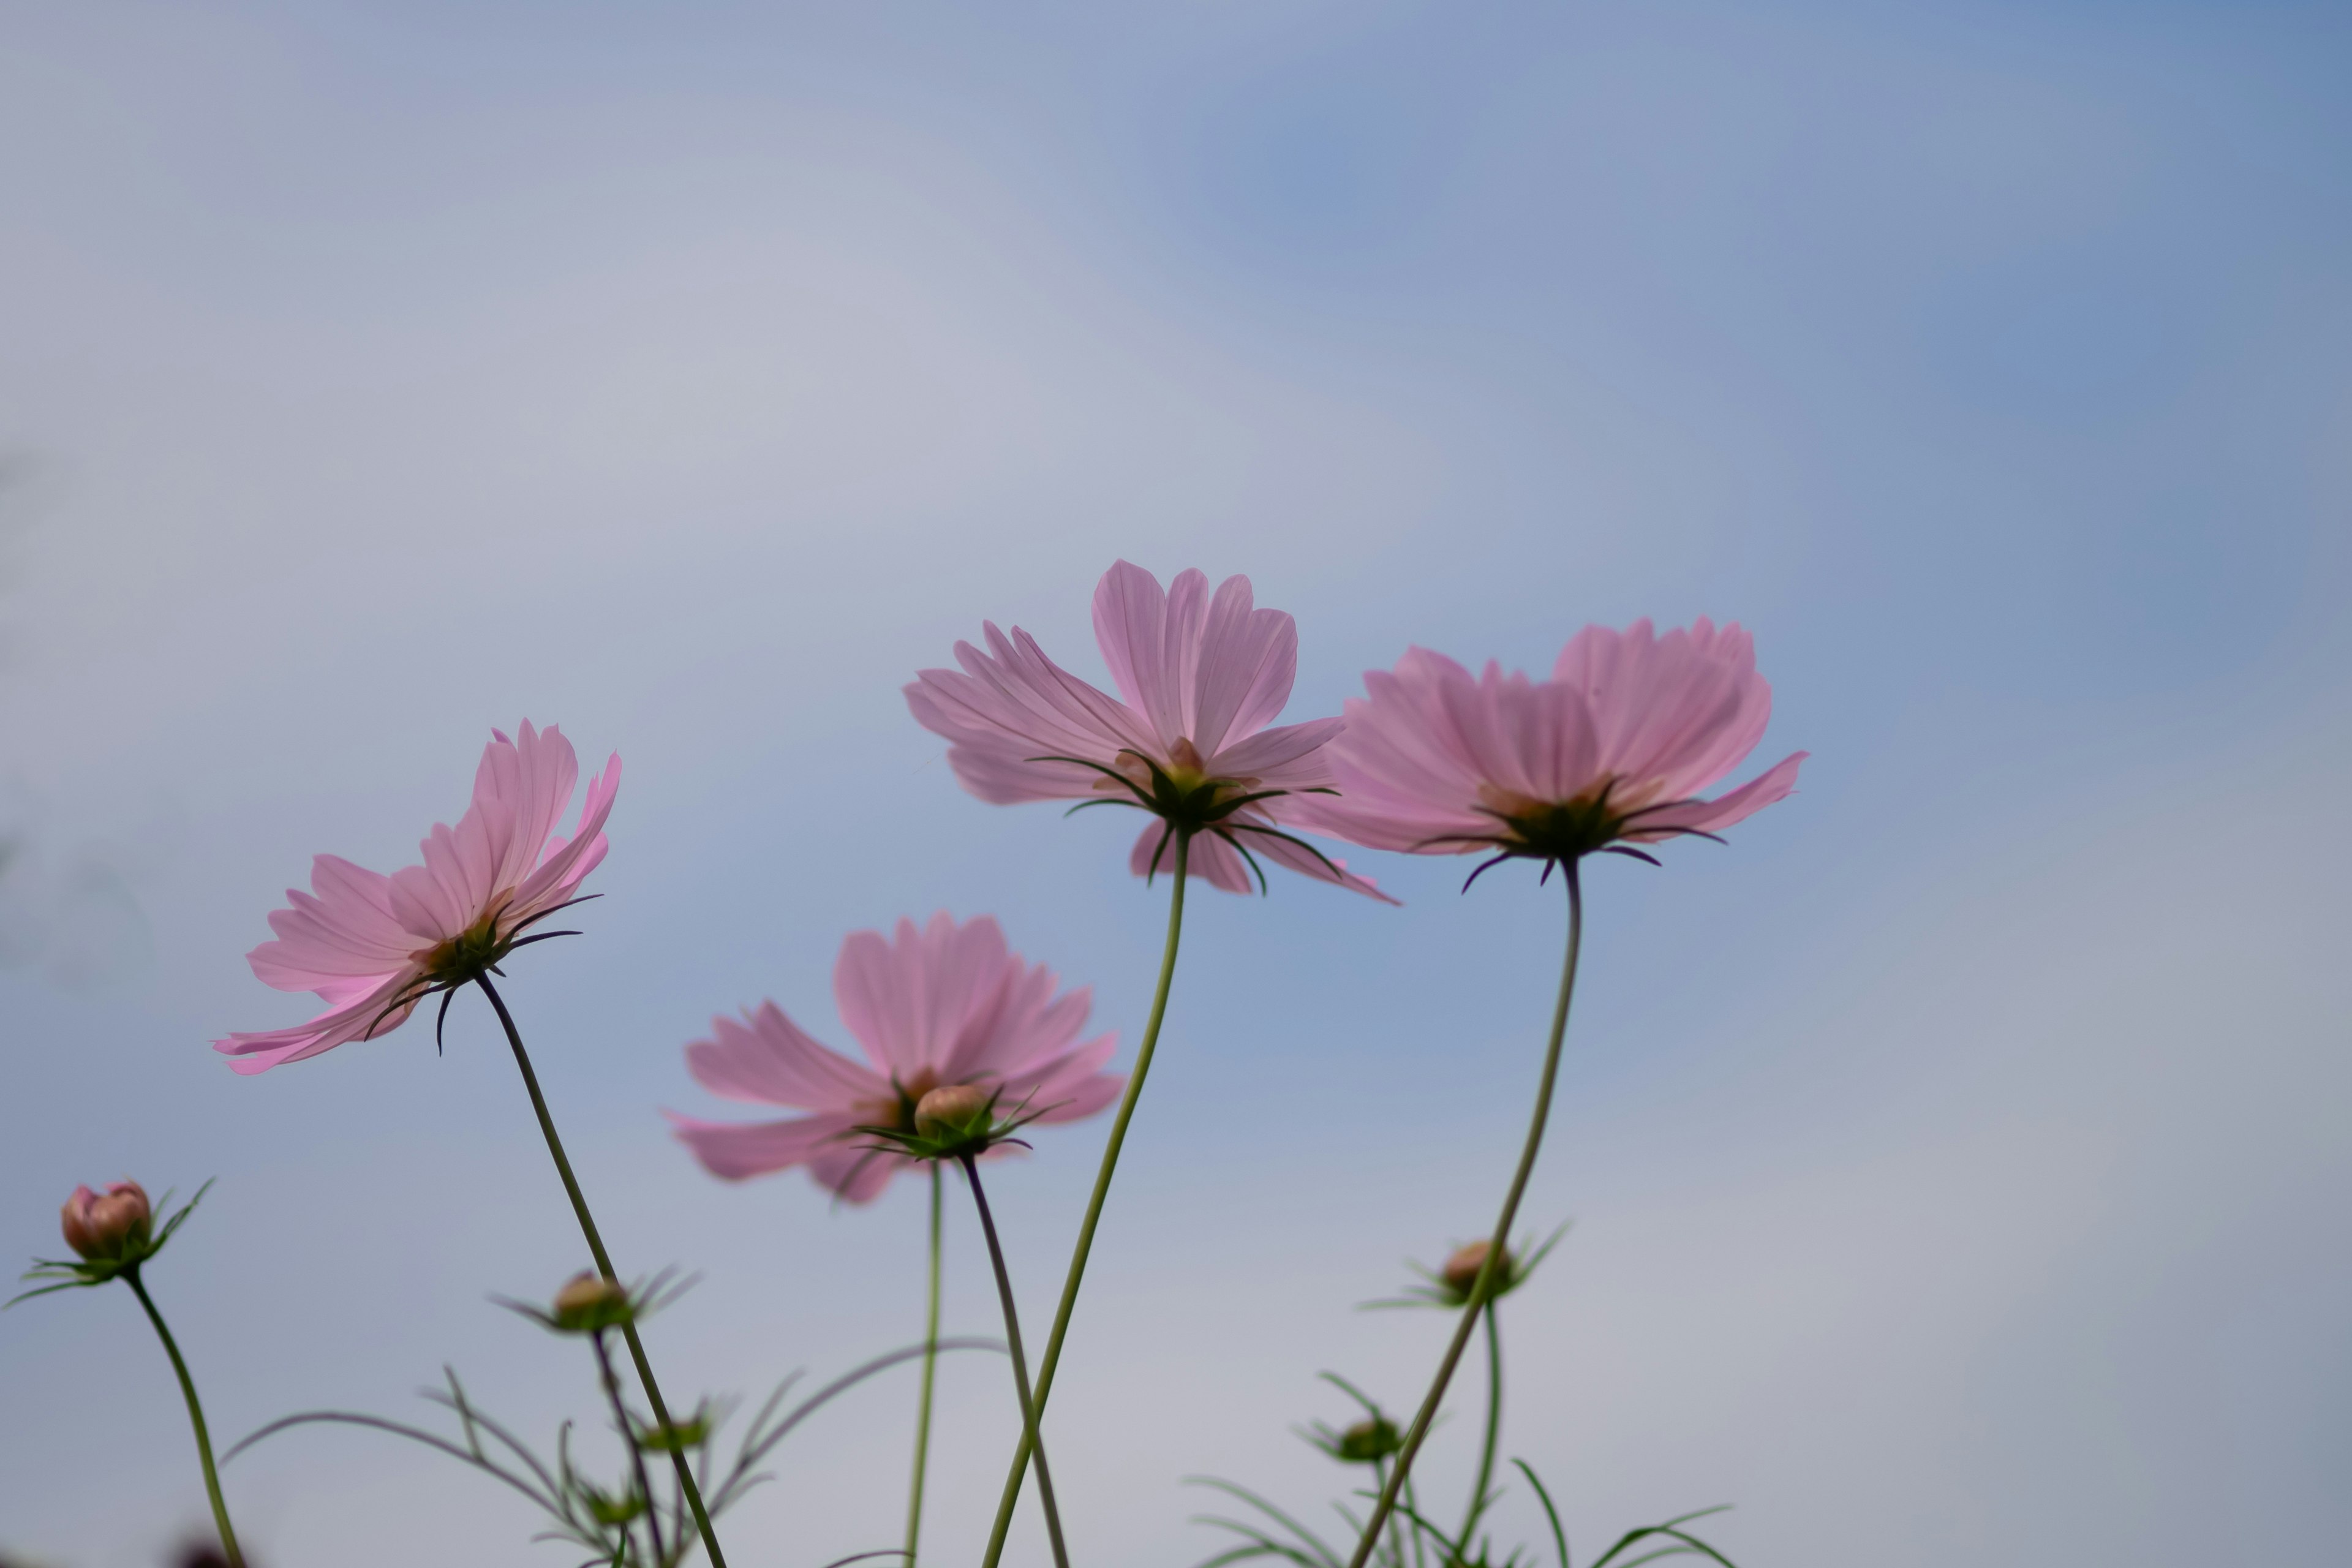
[(950, 1108), (110, 1225), (1461, 1271)]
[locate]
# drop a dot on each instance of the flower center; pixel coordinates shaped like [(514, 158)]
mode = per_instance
[(470, 951), (1179, 790), (898, 1111), (1564, 829)]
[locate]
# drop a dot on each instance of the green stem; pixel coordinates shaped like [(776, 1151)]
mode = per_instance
[(1484, 1282), (1494, 1432), (1396, 1527), (1029, 1433), (196, 1418), (636, 1454), (1094, 1203), (604, 1266), (931, 1367)]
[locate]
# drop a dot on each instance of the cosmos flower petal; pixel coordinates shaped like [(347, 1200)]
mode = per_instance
[(1249, 659), (737, 1151), (768, 1059), (856, 1171), (1775, 784), (568, 861), (1273, 756), (365, 1019), (1271, 844)]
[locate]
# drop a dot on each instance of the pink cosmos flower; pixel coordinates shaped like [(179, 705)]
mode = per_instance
[(1610, 751), (1202, 676), (943, 1005), (374, 946)]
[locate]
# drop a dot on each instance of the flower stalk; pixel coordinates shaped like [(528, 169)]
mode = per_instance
[(1478, 1498), (930, 1369), (1052, 1359), (604, 1266), (1480, 1291), (1030, 1436), (195, 1419)]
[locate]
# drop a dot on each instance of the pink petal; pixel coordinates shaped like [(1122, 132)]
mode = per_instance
[(1708, 816), (910, 999), (1248, 659), (569, 862), (854, 1172), (737, 1151), (1152, 641), (1299, 856), (768, 1059), (336, 1026)]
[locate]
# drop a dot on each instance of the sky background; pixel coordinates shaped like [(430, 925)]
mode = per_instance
[(1957, 1158)]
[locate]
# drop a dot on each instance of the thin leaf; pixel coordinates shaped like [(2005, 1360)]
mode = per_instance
[(1559, 1535)]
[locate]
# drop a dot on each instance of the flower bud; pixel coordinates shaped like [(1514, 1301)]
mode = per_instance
[(109, 1227), (589, 1302), (951, 1108), (1461, 1271), (1368, 1441)]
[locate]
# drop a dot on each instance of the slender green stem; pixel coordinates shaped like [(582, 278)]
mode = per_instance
[(931, 1367), (604, 1266), (1420, 1547), (196, 1418), (636, 1454), (1029, 1432), (1396, 1524), (1484, 1282), (1494, 1432), (1094, 1203)]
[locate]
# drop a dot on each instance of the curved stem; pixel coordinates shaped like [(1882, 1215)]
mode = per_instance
[(1029, 1432), (930, 1368), (1094, 1203), (196, 1418), (1494, 1432), (636, 1454), (604, 1266), (1502, 1236)]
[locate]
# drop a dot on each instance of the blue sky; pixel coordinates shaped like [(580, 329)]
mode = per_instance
[(1957, 1157)]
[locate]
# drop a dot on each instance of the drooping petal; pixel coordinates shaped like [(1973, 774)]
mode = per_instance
[(853, 1170), (365, 1019), (1270, 842), (737, 1151)]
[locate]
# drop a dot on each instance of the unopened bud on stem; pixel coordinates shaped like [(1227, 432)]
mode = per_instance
[(951, 1108), (589, 1302), (1461, 1271), (110, 1225)]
